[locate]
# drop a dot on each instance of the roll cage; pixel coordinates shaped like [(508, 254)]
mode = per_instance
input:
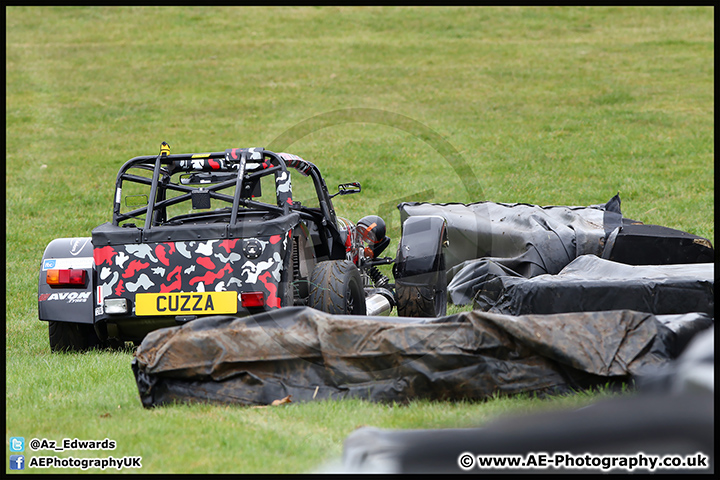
[(212, 173), (198, 178)]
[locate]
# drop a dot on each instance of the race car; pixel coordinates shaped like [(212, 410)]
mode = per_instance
[(192, 235)]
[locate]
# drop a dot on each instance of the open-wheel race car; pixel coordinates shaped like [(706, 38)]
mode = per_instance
[(194, 235)]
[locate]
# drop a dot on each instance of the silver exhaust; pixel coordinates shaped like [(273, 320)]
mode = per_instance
[(378, 304)]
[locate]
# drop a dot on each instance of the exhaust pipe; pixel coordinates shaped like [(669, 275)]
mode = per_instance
[(379, 303)]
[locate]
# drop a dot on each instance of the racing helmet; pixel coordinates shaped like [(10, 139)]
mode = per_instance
[(372, 230)]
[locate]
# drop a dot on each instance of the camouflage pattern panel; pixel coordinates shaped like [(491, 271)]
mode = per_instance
[(252, 155), (297, 163), (250, 264), (283, 188), (201, 162)]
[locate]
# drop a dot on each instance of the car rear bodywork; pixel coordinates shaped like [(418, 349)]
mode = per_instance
[(220, 233)]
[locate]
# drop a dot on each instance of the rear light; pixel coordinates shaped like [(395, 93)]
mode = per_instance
[(66, 276), (252, 299)]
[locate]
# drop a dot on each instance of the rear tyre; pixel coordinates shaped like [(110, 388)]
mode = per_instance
[(419, 270), (336, 288), (72, 337), (422, 300)]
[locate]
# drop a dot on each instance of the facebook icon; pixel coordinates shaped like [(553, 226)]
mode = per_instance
[(17, 462)]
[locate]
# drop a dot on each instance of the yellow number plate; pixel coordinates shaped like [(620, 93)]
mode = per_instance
[(180, 303)]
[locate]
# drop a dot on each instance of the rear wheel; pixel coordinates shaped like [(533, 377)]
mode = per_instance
[(72, 337), (422, 300), (419, 270), (336, 287)]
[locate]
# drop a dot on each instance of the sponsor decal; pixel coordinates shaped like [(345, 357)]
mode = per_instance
[(62, 263), (77, 245), (67, 297)]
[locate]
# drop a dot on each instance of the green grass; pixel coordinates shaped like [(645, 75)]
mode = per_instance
[(552, 106)]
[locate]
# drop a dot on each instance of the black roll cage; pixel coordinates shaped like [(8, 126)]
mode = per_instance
[(235, 161)]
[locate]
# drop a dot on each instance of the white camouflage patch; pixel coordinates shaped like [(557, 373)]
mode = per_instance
[(232, 258), (120, 259), (141, 251), (104, 273), (253, 271), (206, 248), (182, 249), (143, 281)]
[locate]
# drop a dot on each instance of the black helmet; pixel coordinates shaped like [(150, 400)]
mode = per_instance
[(372, 230)]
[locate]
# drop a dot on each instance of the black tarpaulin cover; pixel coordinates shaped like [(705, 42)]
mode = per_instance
[(312, 355), (589, 283), (637, 427), (529, 239), (671, 414)]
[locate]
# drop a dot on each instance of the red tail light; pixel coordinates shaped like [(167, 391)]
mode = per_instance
[(66, 276), (252, 299)]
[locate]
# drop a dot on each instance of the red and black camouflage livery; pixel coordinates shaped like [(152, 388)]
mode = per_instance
[(249, 251), (193, 266)]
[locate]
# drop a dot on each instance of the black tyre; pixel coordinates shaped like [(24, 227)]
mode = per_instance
[(336, 287), (72, 337), (422, 300)]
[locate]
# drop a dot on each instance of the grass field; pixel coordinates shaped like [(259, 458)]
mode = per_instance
[(551, 106)]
